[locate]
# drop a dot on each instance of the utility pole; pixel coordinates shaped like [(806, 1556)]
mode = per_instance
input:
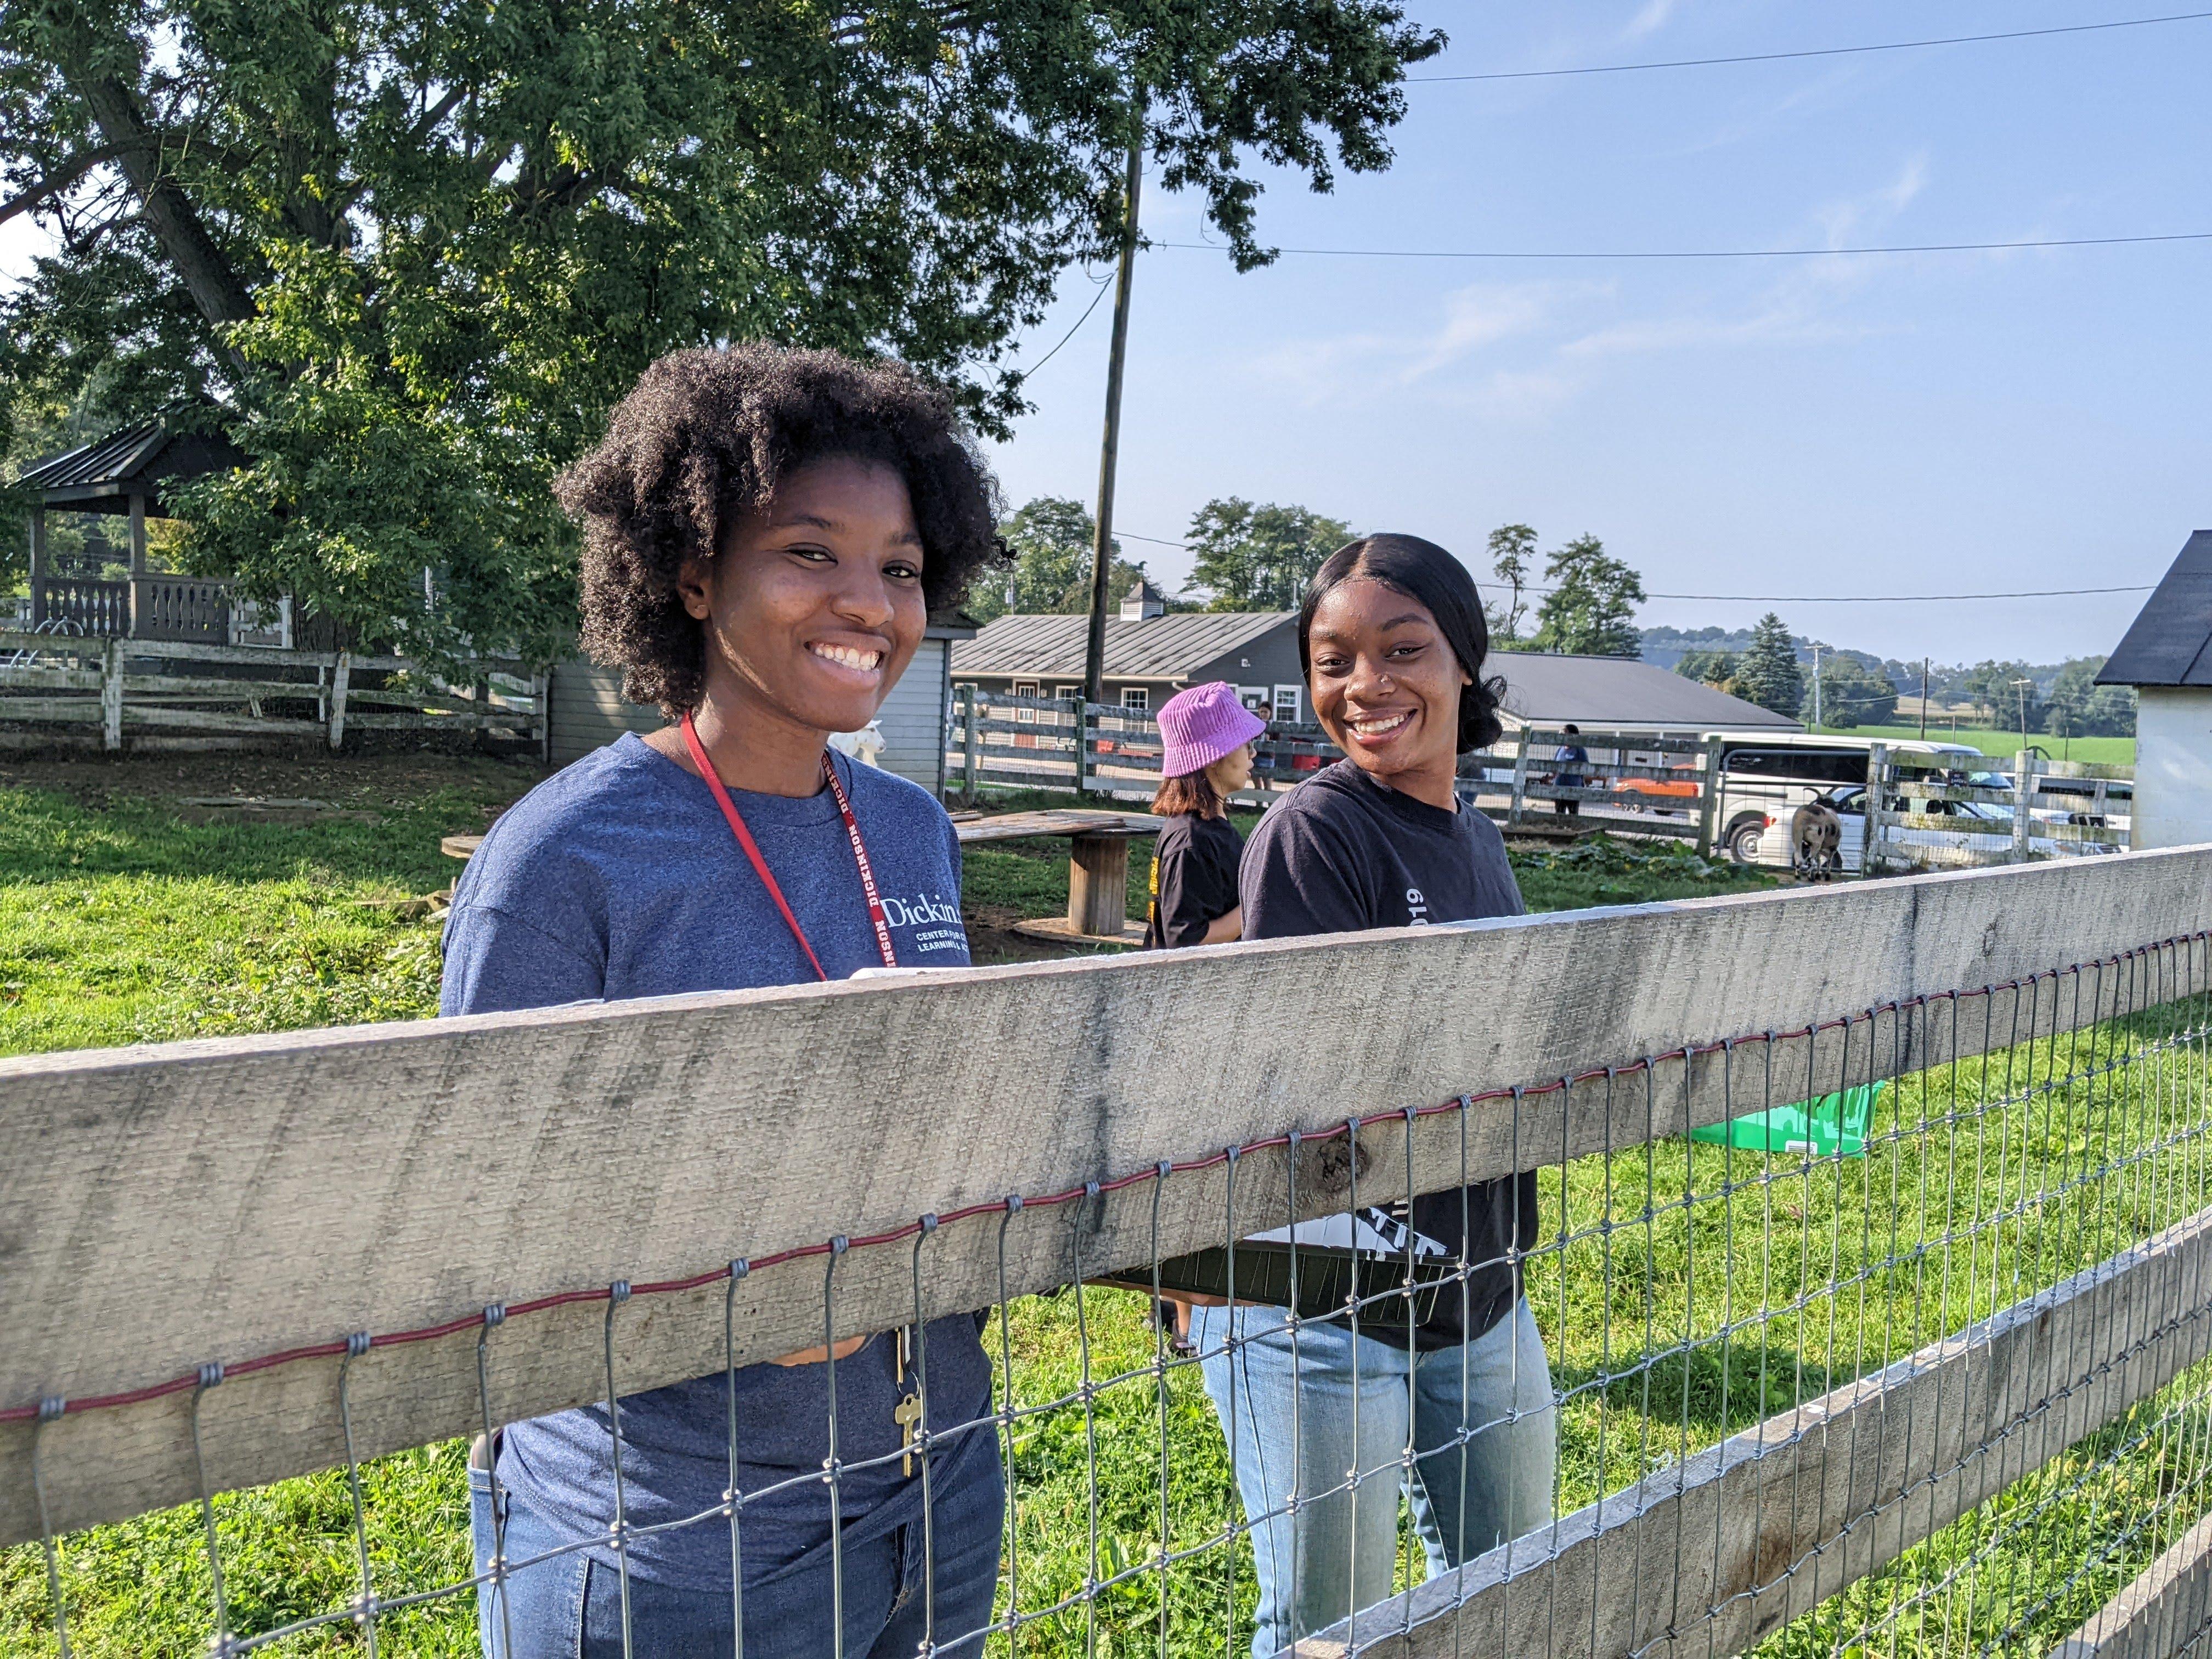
[(2022, 686), (1816, 685), (1923, 700), (1102, 545)]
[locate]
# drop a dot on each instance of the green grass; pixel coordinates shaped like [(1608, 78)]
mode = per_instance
[(2001, 746), (123, 924)]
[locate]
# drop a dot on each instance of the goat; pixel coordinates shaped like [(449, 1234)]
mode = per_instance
[(1816, 839)]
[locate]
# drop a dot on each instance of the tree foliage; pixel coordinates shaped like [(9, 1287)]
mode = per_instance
[(1050, 539), (1591, 609), (1769, 673), (1717, 669), (2080, 707), (1851, 693), (1512, 554), (408, 252), (1258, 558)]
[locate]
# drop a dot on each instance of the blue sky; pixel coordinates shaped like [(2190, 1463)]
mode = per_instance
[(1895, 424)]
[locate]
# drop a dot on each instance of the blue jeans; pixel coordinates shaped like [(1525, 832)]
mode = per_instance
[(1475, 1460), (571, 1606)]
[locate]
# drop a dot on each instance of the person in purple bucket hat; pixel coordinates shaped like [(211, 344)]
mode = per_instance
[(1205, 737)]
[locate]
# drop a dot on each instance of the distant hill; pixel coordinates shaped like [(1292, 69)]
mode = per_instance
[(1667, 646)]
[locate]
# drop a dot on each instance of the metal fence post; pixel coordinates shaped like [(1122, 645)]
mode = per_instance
[(2023, 788), (1516, 805), (1871, 857), (1708, 805), (110, 694), (338, 678)]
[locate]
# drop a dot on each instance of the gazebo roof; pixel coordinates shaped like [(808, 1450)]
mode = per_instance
[(145, 459)]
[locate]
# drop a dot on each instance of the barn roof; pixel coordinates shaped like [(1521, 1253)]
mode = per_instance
[(2167, 644), (1542, 689), (1051, 647), (144, 459)]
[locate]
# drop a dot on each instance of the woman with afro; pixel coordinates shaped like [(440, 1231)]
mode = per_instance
[(765, 533)]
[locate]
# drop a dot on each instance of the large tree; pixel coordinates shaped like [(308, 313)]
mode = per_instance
[(1591, 609), (1769, 673), (1512, 554), (1258, 558), (1049, 540), (1851, 693), (408, 252)]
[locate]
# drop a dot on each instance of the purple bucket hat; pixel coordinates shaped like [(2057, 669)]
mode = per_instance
[(1200, 725)]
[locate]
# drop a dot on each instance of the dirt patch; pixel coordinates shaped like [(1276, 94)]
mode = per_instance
[(991, 940), (266, 788)]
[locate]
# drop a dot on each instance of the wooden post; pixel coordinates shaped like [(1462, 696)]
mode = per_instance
[(135, 622), (110, 694), (338, 678), (1519, 803), (1101, 541), (971, 742), (1086, 734), (1871, 855), (480, 695), (2023, 790), (1708, 805), (541, 687), (38, 566), (1098, 884)]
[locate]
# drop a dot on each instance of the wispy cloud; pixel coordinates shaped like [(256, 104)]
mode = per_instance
[(1649, 18)]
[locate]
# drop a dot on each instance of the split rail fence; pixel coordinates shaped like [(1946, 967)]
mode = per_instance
[(1872, 1254), (1636, 783), (1932, 817), (131, 689)]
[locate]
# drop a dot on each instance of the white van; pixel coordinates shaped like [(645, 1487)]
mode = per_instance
[(1767, 776)]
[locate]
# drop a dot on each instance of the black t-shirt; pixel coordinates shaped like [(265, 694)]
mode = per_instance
[(1194, 880), (1341, 853)]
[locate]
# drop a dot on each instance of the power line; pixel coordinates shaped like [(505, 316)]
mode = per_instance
[(1790, 598), (1886, 599), (1816, 52), (1071, 333), (1715, 253)]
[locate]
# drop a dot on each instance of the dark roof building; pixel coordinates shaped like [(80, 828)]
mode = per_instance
[(2166, 655), (2170, 642), (1621, 693), (140, 461)]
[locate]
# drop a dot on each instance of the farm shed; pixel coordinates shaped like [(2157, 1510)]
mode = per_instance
[(1148, 657), (2166, 655), (588, 710), (1621, 693)]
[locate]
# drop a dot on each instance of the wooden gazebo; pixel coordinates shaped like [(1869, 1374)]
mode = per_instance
[(126, 473)]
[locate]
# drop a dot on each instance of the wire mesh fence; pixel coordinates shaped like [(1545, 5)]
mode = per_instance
[(1887, 1333)]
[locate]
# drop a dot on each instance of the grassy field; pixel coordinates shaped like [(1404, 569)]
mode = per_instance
[(1684, 1290), (2003, 745)]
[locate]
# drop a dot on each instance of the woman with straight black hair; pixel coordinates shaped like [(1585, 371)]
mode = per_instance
[(1439, 1385)]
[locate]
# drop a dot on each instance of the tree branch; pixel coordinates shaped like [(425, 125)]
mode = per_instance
[(56, 181)]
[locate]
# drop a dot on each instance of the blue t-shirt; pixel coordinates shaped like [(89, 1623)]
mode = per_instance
[(618, 878)]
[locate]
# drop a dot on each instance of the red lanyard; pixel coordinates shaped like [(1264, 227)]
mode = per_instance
[(760, 864)]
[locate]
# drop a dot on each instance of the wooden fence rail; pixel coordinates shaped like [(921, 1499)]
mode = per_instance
[(254, 1201), (95, 682), (1635, 783)]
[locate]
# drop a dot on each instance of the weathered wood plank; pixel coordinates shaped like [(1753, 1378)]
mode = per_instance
[(53, 708), (53, 679), (175, 1204), (2159, 1614), (1708, 1558)]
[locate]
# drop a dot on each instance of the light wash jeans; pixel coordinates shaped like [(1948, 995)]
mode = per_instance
[(1466, 1432), (569, 1606)]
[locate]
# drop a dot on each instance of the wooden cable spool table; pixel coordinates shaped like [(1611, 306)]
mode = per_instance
[(1098, 867)]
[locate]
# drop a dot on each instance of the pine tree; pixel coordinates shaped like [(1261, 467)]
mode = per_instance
[(1769, 674)]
